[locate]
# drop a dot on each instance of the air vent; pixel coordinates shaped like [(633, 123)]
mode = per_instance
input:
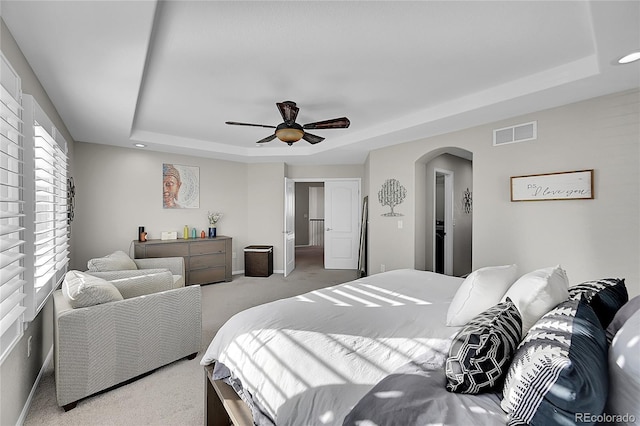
[(519, 133)]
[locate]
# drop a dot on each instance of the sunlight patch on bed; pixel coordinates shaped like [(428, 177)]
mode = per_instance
[(398, 295), (375, 296), (329, 298), (357, 299), (327, 417), (360, 294), (389, 394), (621, 361)]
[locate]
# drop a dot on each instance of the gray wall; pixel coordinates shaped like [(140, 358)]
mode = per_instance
[(123, 190), (590, 238)]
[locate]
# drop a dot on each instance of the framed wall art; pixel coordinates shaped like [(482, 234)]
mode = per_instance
[(575, 185), (180, 186)]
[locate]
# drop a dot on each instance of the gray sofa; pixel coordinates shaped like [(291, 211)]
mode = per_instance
[(158, 321)]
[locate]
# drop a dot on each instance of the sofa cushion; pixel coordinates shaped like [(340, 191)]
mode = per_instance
[(537, 292), (116, 261), (82, 290), (560, 370), (481, 290), (605, 296), (480, 353)]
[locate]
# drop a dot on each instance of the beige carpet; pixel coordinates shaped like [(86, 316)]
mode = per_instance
[(174, 394)]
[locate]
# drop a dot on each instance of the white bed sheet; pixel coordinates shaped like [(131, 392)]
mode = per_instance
[(309, 359)]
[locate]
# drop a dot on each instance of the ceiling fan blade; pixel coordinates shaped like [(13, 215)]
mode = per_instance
[(312, 139), (335, 123), (267, 139), (235, 123), (288, 111)]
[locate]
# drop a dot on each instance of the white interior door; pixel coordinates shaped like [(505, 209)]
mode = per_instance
[(342, 224), (289, 226)]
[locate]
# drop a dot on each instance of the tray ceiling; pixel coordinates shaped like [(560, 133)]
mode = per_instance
[(170, 73)]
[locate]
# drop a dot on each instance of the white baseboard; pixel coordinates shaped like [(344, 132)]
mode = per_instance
[(27, 404)]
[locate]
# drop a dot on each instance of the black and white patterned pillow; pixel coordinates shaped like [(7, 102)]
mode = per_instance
[(559, 370), (606, 296), (480, 353)]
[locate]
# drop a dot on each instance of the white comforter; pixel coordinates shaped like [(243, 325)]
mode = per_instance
[(308, 360)]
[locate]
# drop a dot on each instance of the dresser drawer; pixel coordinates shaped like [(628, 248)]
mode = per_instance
[(167, 250), (206, 261), (206, 247), (206, 276)]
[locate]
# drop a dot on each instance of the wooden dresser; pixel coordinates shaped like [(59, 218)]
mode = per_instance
[(206, 260)]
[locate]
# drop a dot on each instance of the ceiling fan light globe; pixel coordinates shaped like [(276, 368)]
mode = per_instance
[(289, 135)]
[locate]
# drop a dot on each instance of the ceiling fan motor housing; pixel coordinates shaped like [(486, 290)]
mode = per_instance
[(289, 132)]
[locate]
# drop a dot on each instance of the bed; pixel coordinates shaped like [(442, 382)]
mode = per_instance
[(334, 356)]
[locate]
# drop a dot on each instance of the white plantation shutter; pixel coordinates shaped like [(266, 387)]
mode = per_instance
[(12, 242), (47, 244)]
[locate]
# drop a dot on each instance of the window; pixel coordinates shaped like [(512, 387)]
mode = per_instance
[(12, 244), (34, 246), (46, 236)]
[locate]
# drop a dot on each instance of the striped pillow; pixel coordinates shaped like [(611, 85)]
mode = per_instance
[(481, 351), (559, 370), (606, 296)]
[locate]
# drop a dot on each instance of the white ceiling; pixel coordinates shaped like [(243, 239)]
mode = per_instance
[(170, 73)]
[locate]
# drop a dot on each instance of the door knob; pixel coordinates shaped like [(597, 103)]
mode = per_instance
[(328, 229)]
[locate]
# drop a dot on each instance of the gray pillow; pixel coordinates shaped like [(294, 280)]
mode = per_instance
[(116, 261), (624, 372), (82, 290), (624, 313)]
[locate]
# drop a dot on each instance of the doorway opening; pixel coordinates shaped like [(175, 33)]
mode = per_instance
[(444, 234), (334, 205), (443, 221), (309, 224)]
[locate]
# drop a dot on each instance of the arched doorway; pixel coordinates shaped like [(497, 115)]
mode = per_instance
[(444, 217)]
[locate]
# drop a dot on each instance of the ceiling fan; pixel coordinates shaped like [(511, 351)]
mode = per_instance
[(289, 131)]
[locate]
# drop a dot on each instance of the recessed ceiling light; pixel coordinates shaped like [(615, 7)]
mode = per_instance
[(631, 57), (139, 145)]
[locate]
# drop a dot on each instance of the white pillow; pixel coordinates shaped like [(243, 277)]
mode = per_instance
[(481, 290), (537, 292), (116, 261), (82, 290)]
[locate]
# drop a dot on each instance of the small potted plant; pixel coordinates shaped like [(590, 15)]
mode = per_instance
[(213, 220)]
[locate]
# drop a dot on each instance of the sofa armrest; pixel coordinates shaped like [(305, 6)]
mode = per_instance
[(100, 346), (174, 264)]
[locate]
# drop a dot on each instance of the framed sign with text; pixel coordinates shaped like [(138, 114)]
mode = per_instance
[(574, 185)]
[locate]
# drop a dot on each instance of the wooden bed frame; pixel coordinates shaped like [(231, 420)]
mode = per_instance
[(222, 405)]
